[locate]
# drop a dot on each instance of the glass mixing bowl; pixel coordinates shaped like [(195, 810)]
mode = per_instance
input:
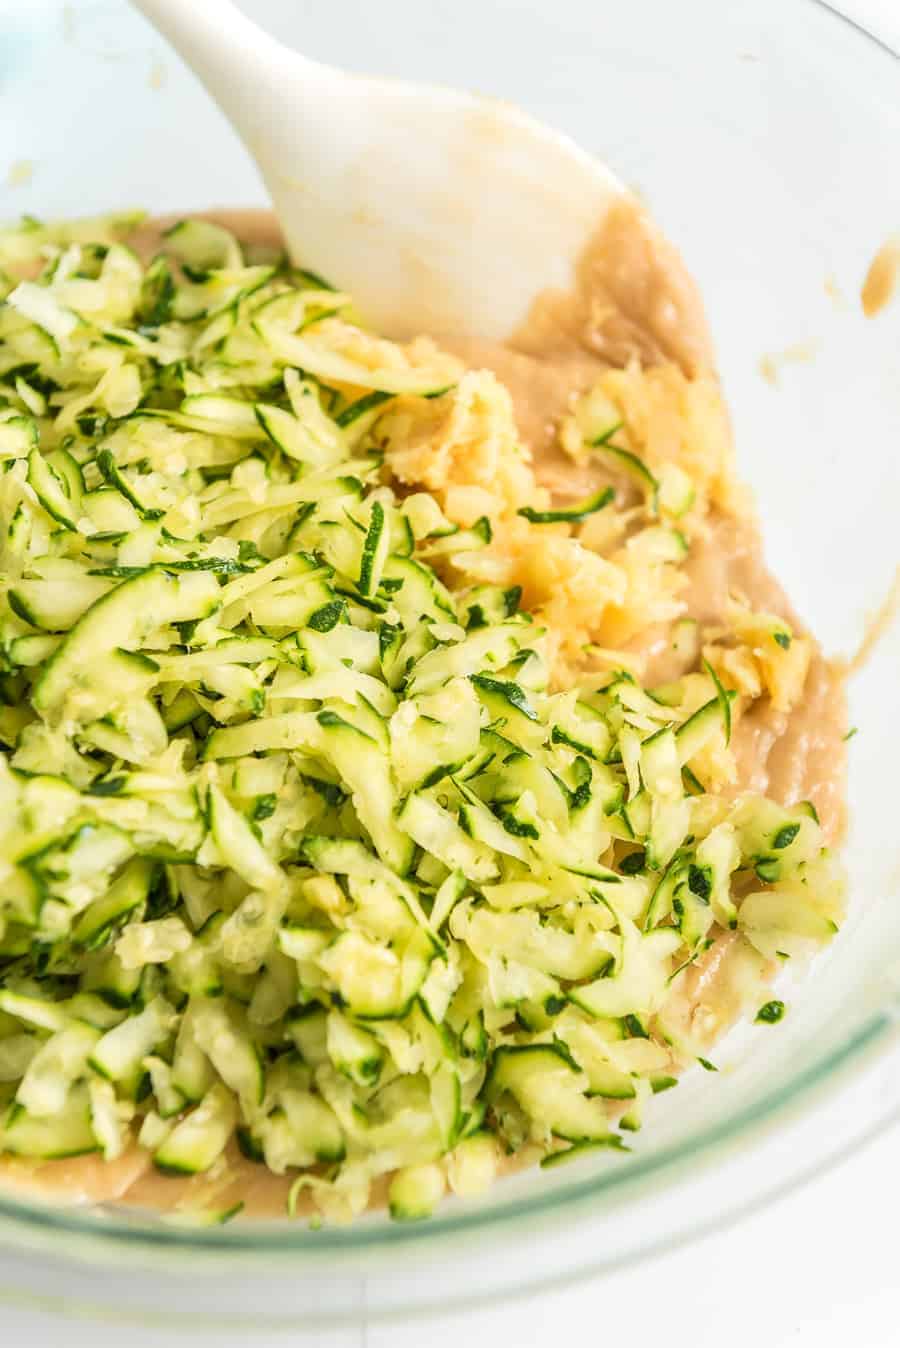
[(765, 138)]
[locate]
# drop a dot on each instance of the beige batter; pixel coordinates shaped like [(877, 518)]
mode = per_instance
[(882, 278), (633, 299)]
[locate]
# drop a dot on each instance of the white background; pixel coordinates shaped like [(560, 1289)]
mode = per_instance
[(820, 1268)]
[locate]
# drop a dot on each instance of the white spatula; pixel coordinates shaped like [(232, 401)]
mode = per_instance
[(439, 210)]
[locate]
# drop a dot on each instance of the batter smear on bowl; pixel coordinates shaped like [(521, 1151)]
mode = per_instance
[(410, 766)]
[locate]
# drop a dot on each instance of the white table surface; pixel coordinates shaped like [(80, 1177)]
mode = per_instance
[(819, 1269)]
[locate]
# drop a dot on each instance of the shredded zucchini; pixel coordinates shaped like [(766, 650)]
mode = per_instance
[(301, 851)]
